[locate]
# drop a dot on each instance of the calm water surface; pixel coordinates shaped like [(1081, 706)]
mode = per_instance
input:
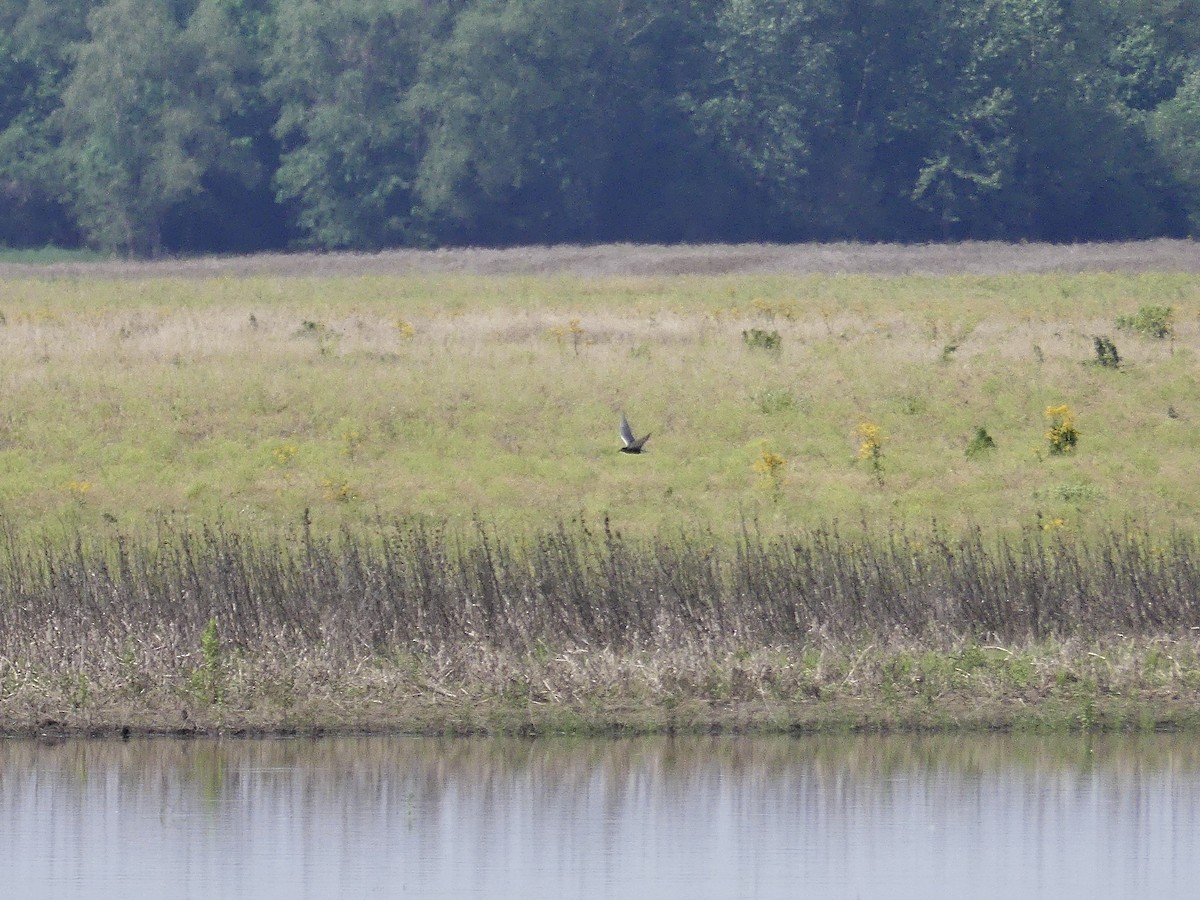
[(893, 817)]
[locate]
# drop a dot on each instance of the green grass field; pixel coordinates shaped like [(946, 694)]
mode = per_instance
[(451, 397)]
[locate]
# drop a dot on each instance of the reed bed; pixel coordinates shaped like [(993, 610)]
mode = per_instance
[(411, 585)]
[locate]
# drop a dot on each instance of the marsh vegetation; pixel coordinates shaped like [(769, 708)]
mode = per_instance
[(408, 626), (396, 500)]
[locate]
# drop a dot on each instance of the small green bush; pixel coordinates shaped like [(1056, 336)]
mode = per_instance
[(1151, 321), (1077, 492), (773, 400), (981, 443), (757, 339)]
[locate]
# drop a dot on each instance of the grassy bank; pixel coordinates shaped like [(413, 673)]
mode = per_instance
[(1008, 459), (419, 630)]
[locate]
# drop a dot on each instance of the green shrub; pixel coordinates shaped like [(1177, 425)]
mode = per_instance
[(1062, 436), (1077, 492), (757, 339), (773, 400), (981, 443), (1151, 321)]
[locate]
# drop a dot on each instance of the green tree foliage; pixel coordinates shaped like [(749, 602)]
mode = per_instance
[(235, 208), (831, 105), (35, 42), (663, 179), (340, 71), (543, 120), (143, 116), (996, 118), (516, 108), (778, 94), (142, 125), (1175, 130), (1082, 168)]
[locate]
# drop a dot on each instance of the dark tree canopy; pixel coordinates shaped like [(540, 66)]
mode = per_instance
[(148, 126)]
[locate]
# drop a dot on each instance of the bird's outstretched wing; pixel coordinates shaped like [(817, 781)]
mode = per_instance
[(632, 444), (626, 432)]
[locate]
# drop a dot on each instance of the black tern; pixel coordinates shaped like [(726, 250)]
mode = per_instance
[(631, 445)]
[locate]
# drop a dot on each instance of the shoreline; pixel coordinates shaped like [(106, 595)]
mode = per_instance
[(1137, 685)]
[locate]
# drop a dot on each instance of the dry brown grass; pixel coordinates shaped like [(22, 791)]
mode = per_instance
[(641, 260), (1132, 684)]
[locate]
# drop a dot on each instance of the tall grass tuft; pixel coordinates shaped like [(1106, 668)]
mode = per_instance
[(1107, 356), (770, 466), (870, 447)]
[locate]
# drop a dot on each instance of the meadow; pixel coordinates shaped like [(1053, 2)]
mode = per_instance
[(182, 443), (450, 398)]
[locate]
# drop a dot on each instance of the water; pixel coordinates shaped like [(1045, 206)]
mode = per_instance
[(895, 817)]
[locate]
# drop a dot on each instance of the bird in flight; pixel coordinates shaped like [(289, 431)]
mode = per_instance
[(631, 445)]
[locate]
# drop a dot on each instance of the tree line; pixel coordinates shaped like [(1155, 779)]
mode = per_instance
[(149, 126)]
